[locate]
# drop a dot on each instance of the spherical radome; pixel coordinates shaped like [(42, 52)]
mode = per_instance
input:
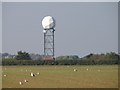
[(48, 22)]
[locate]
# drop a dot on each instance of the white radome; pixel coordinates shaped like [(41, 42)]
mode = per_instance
[(48, 22)]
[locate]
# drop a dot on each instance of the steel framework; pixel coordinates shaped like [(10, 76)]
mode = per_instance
[(49, 44)]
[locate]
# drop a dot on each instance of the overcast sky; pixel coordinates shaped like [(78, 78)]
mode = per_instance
[(81, 28), (0, 41)]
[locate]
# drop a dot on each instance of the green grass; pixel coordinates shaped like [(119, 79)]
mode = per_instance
[(101, 76)]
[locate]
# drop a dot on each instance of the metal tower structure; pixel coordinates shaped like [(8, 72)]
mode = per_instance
[(48, 25), (49, 45)]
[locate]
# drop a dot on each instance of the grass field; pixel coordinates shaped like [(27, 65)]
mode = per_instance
[(101, 76)]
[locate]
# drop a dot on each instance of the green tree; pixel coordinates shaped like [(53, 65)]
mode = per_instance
[(23, 56)]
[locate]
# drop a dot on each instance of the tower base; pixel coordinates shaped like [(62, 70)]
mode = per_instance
[(48, 58)]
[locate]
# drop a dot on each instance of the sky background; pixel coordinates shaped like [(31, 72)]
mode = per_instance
[(81, 28), (0, 27)]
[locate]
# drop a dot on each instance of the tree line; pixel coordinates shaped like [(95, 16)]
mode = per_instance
[(23, 58)]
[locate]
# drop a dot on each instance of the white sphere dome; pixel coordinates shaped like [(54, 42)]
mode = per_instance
[(48, 22)]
